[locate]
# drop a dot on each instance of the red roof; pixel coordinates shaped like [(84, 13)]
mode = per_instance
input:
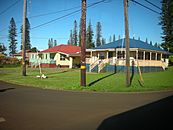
[(68, 49)]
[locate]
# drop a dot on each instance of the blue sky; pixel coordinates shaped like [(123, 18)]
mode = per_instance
[(142, 22)]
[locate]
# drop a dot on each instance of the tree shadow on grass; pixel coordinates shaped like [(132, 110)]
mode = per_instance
[(153, 116), (92, 83)]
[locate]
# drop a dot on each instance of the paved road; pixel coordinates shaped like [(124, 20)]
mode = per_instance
[(27, 108)]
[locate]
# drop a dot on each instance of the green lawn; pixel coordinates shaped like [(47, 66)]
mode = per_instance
[(68, 79)]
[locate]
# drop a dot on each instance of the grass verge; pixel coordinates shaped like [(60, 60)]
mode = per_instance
[(69, 79)]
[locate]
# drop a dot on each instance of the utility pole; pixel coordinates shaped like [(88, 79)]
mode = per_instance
[(24, 40), (83, 47), (127, 43)]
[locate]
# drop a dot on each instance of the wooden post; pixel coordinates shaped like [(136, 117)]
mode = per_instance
[(127, 43), (24, 40), (83, 47)]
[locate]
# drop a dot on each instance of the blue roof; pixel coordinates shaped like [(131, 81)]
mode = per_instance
[(133, 44)]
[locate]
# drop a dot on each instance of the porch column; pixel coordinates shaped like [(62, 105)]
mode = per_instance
[(136, 54), (156, 56), (98, 55), (150, 55), (71, 62), (107, 54), (116, 54), (144, 56), (91, 54)]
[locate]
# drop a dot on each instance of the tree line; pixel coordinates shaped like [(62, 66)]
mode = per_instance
[(75, 35), (166, 22), (12, 34)]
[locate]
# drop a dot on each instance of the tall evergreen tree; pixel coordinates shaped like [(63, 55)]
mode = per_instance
[(167, 24), (103, 41), (75, 35), (98, 34), (55, 42), (114, 39), (89, 37), (110, 39), (146, 40), (12, 37), (49, 44), (70, 41), (2, 49), (139, 38), (119, 37), (151, 43), (27, 36)]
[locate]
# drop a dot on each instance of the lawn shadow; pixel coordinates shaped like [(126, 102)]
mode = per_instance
[(58, 72), (133, 72), (156, 115), (92, 83), (6, 89)]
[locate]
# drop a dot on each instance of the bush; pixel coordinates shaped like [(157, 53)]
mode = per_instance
[(171, 59), (8, 62)]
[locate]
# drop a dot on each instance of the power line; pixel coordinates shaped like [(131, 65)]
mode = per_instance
[(9, 7), (44, 14), (76, 11), (145, 7), (153, 4), (56, 19), (48, 38), (64, 10)]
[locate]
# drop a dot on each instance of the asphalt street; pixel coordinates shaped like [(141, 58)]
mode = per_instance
[(28, 108)]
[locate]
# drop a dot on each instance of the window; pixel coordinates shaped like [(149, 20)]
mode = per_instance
[(62, 57), (52, 55)]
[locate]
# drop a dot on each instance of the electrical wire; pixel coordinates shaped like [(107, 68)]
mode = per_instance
[(153, 4), (44, 14), (145, 7), (69, 14), (9, 7)]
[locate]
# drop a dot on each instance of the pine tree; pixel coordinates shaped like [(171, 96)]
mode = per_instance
[(2, 49), (27, 36), (103, 41), (167, 24), (55, 43), (98, 34), (119, 37), (146, 40), (151, 43), (114, 39), (156, 44), (139, 38), (110, 39), (49, 44), (70, 41), (89, 37), (75, 36), (12, 37), (34, 49)]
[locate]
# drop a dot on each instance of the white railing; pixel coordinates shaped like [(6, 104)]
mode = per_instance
[(102, 64), (92, 65)]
